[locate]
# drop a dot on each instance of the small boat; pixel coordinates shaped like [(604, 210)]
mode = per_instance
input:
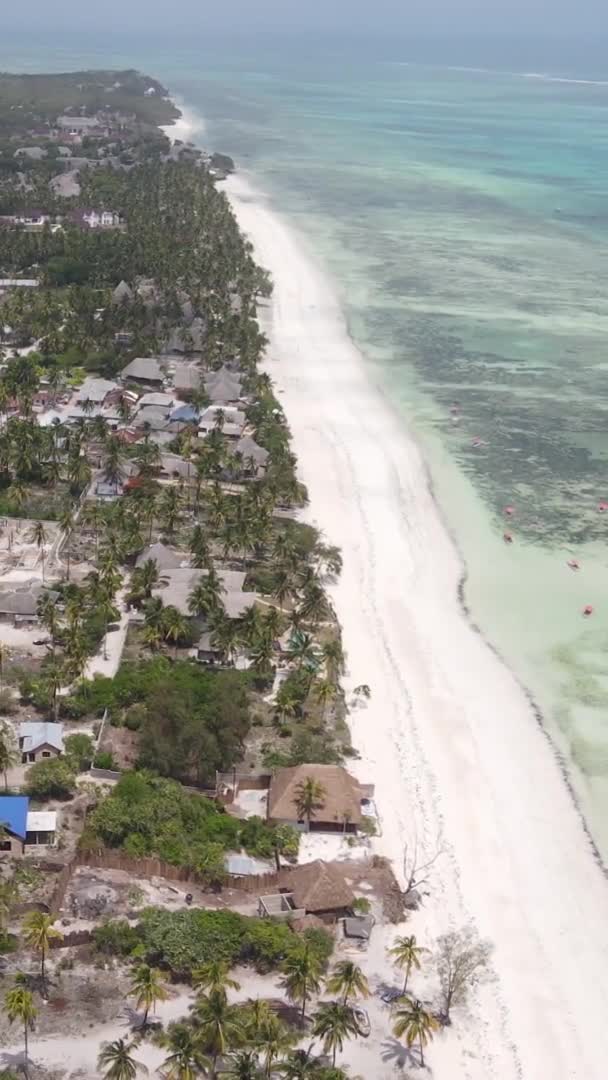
[(602, 507), (509, 510), (507, 537), (573, 564), (587, 610)]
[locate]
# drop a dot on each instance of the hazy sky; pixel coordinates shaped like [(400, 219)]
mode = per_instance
[(442, 17)]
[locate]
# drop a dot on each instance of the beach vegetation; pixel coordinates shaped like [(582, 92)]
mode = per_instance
[(414, 1023), (462, 960)]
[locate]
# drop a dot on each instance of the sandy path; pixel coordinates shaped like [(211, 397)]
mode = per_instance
[(448, 737)]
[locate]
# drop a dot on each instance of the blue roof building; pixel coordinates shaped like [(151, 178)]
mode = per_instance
[(13, 814)]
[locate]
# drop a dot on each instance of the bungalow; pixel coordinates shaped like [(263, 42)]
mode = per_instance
[(39, 739), (205, 651), (230, 421), (317, 888), (157, 400), (21, 826), (166, 558), (19, 604), (122, 294), (187, 378), (185, 414), (79, 126), (145, 370), (186, 339), (253, 457), (223, 387), (340, 806), (34, 153), (94, 219), (179, 583), (96, 390)]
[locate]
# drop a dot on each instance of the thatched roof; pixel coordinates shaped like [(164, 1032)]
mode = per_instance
[(320, 886), (341, 800), (147, 368)]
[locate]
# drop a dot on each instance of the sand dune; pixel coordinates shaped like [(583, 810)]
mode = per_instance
[(448, 737)]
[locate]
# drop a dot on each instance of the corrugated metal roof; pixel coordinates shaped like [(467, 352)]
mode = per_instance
[(13, 813), (42, 821)]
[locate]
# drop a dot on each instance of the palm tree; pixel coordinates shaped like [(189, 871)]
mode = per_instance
[(38, 536), (407, 955), (301, 1065), (19, 1005), (116, 1061), (174, 626), (348, 980), (214, 977), (185, 1060), (147, 987), (413, 1021), (310, 797), (38, 933), (243, 1066), (334, 1022), (273, 1039), (332, 654), (9, 755), (301, 975), (302, 649), (66, 524), (219, 1025), (325, 692)]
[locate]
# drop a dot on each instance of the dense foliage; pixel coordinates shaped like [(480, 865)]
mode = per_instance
[(147, 815), (191, 722), (189, 939)]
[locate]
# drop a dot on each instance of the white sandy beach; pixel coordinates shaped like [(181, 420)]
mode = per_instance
[(448, 737)]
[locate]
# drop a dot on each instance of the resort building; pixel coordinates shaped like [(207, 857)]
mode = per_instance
[(340, 806)]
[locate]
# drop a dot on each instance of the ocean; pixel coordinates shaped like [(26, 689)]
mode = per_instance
[(457, 194)]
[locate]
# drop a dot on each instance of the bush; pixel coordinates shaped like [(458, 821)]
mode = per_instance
[(79, 751), (104, 759), (54, 779), (184, 940), (116, 938)]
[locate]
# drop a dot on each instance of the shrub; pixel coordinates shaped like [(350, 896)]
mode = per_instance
[(184, 940), (54, 779), (79, 751), (116, 938), (104, 759)]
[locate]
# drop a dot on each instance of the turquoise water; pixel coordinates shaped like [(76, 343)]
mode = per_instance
[(463, 215)]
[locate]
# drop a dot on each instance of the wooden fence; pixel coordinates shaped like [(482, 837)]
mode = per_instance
[(151, 867)]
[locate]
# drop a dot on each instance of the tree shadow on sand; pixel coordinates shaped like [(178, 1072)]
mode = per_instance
[(394, 1051)]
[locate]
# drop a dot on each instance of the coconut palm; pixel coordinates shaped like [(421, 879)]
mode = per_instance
[(173, 625), (413, 1021), (147, 987), (214, 977), (243, 1065), (116, 1062), (66, 524), (9, 755), (273, 1039), (348, 980), (325, 692), (219, 1025), (226, 636), (38, 933), (185, 1060), (38, 536), (407, 954), (19, 1006), (303, 650), (332, 655), (314, 607), (334, 1022), (114, 455), (301, 975), (301, 1065), (309, 797)]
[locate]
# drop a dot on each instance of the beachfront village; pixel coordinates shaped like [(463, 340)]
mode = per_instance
[(188, 876)]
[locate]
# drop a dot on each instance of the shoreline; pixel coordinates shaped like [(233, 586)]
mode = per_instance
[(388, 633)]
